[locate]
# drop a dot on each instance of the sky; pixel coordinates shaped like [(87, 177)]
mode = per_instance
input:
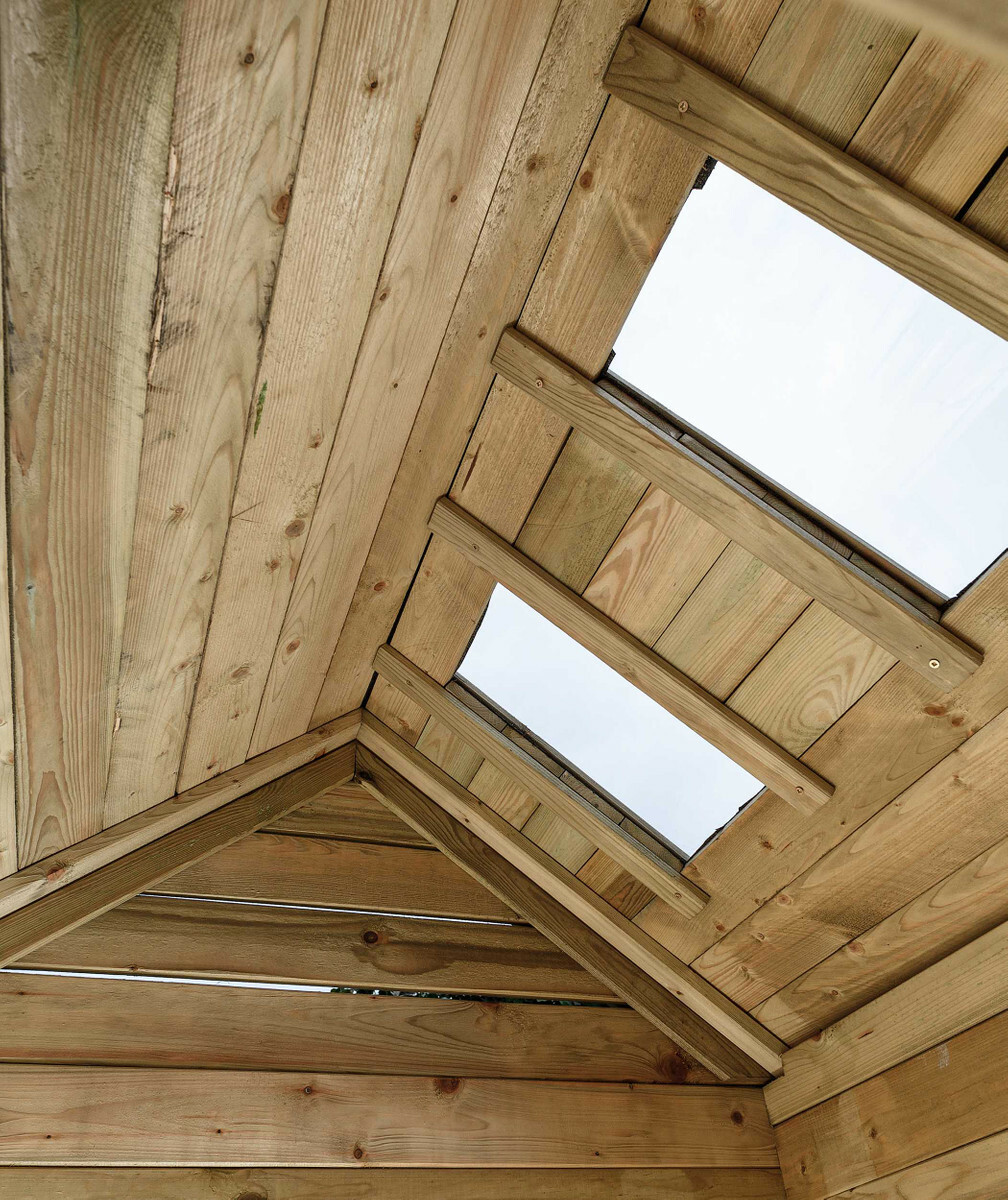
[(851, 386)]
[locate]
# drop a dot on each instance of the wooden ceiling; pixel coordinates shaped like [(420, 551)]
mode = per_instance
[(260, 265)]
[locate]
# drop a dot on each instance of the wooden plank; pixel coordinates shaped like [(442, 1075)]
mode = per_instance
[(833, 188), (936, 923), (959, 991), (978, 24), (199, 939), (87, 101), (60, 870), (357, 151), (944, 1098), (978, 1171), (216, 1183), (636, 662), (333, 874), (730, 1023), (137, 1116), (587, 819), (859, 598), (560, 114), (63, 910), (350, 813), (951, 814), (134, 1022), (8, 811), (244, 77)]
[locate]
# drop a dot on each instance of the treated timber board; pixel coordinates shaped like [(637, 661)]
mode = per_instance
[(978, 1171), (592, 823), (878, 612), (350, 813), (944, 1098), (55, 915), (60, 870), (147, 1116), (281, 869), (632, 659), (959, 991), (705, 1007), (133, 1022), (198, 939), (215, 1183), (244, 77), (978, 24), (560, 114), (86, 106), (8, 811), (833, 188), (358, 146), (932, 925)]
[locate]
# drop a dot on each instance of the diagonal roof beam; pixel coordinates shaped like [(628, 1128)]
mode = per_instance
[(824, 183), (677, 891), (685, 1007), (771, 536), (706, 714), (56, 895)]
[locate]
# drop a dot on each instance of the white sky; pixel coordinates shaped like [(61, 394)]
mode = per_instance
[(862, 393)]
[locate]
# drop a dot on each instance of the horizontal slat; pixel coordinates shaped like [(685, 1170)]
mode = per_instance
[(959, 991), (133, 1022), (335, 874), (143, 1115), (738, 1035), (213, 1183), (161, 936), (519, 766), (683, 698), (351, 813), (978, 1171), (63, 910), (946, 1097), (859, 598), (815, 177)]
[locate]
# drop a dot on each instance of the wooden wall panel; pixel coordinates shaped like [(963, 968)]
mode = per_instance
[(350, 813), (8, 813), (87, 102), (244, 77), (214, 1183), (131, 1022), (157, 935), (147, 1116)]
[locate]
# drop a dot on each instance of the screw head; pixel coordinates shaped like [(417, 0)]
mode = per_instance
[(799, 789), (539, 383), (934, 664), (683, 106)]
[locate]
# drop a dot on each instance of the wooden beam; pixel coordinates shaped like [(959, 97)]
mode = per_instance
[(143, 1115), (853, 594), (68, 907), (979, 25), (159, 935), (688, 994), (815, 177), (351, 813), (674, 691), (292, 1183), (519, 766), (136, 1023), (324, 873), (66, 867), (959, 991)]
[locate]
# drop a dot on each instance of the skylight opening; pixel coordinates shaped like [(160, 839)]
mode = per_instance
[(854, 388), (611, 731)]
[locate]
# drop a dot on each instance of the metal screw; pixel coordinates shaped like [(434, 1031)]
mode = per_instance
[(800, 790), (934, 664), (539, 383), (683, 106)]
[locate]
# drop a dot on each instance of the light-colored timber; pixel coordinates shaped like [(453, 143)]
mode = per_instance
[(676, 692), (982, 25), (556, 795)]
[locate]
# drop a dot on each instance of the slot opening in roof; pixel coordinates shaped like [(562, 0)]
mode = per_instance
[(614, 734), (854, 388)]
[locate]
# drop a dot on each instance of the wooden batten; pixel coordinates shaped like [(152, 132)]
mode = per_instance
[(676, 692)]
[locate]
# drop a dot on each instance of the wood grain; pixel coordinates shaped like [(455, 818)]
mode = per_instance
[(177, 1116), (8, 810), (244, 77), (133, 1022), (834, 189), (87, 101), (351, 813), (978, 1171), (974, 23), (53, 915), (200, 939)]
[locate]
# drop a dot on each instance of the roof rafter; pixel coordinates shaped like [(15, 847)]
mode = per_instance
[(771, 536)]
